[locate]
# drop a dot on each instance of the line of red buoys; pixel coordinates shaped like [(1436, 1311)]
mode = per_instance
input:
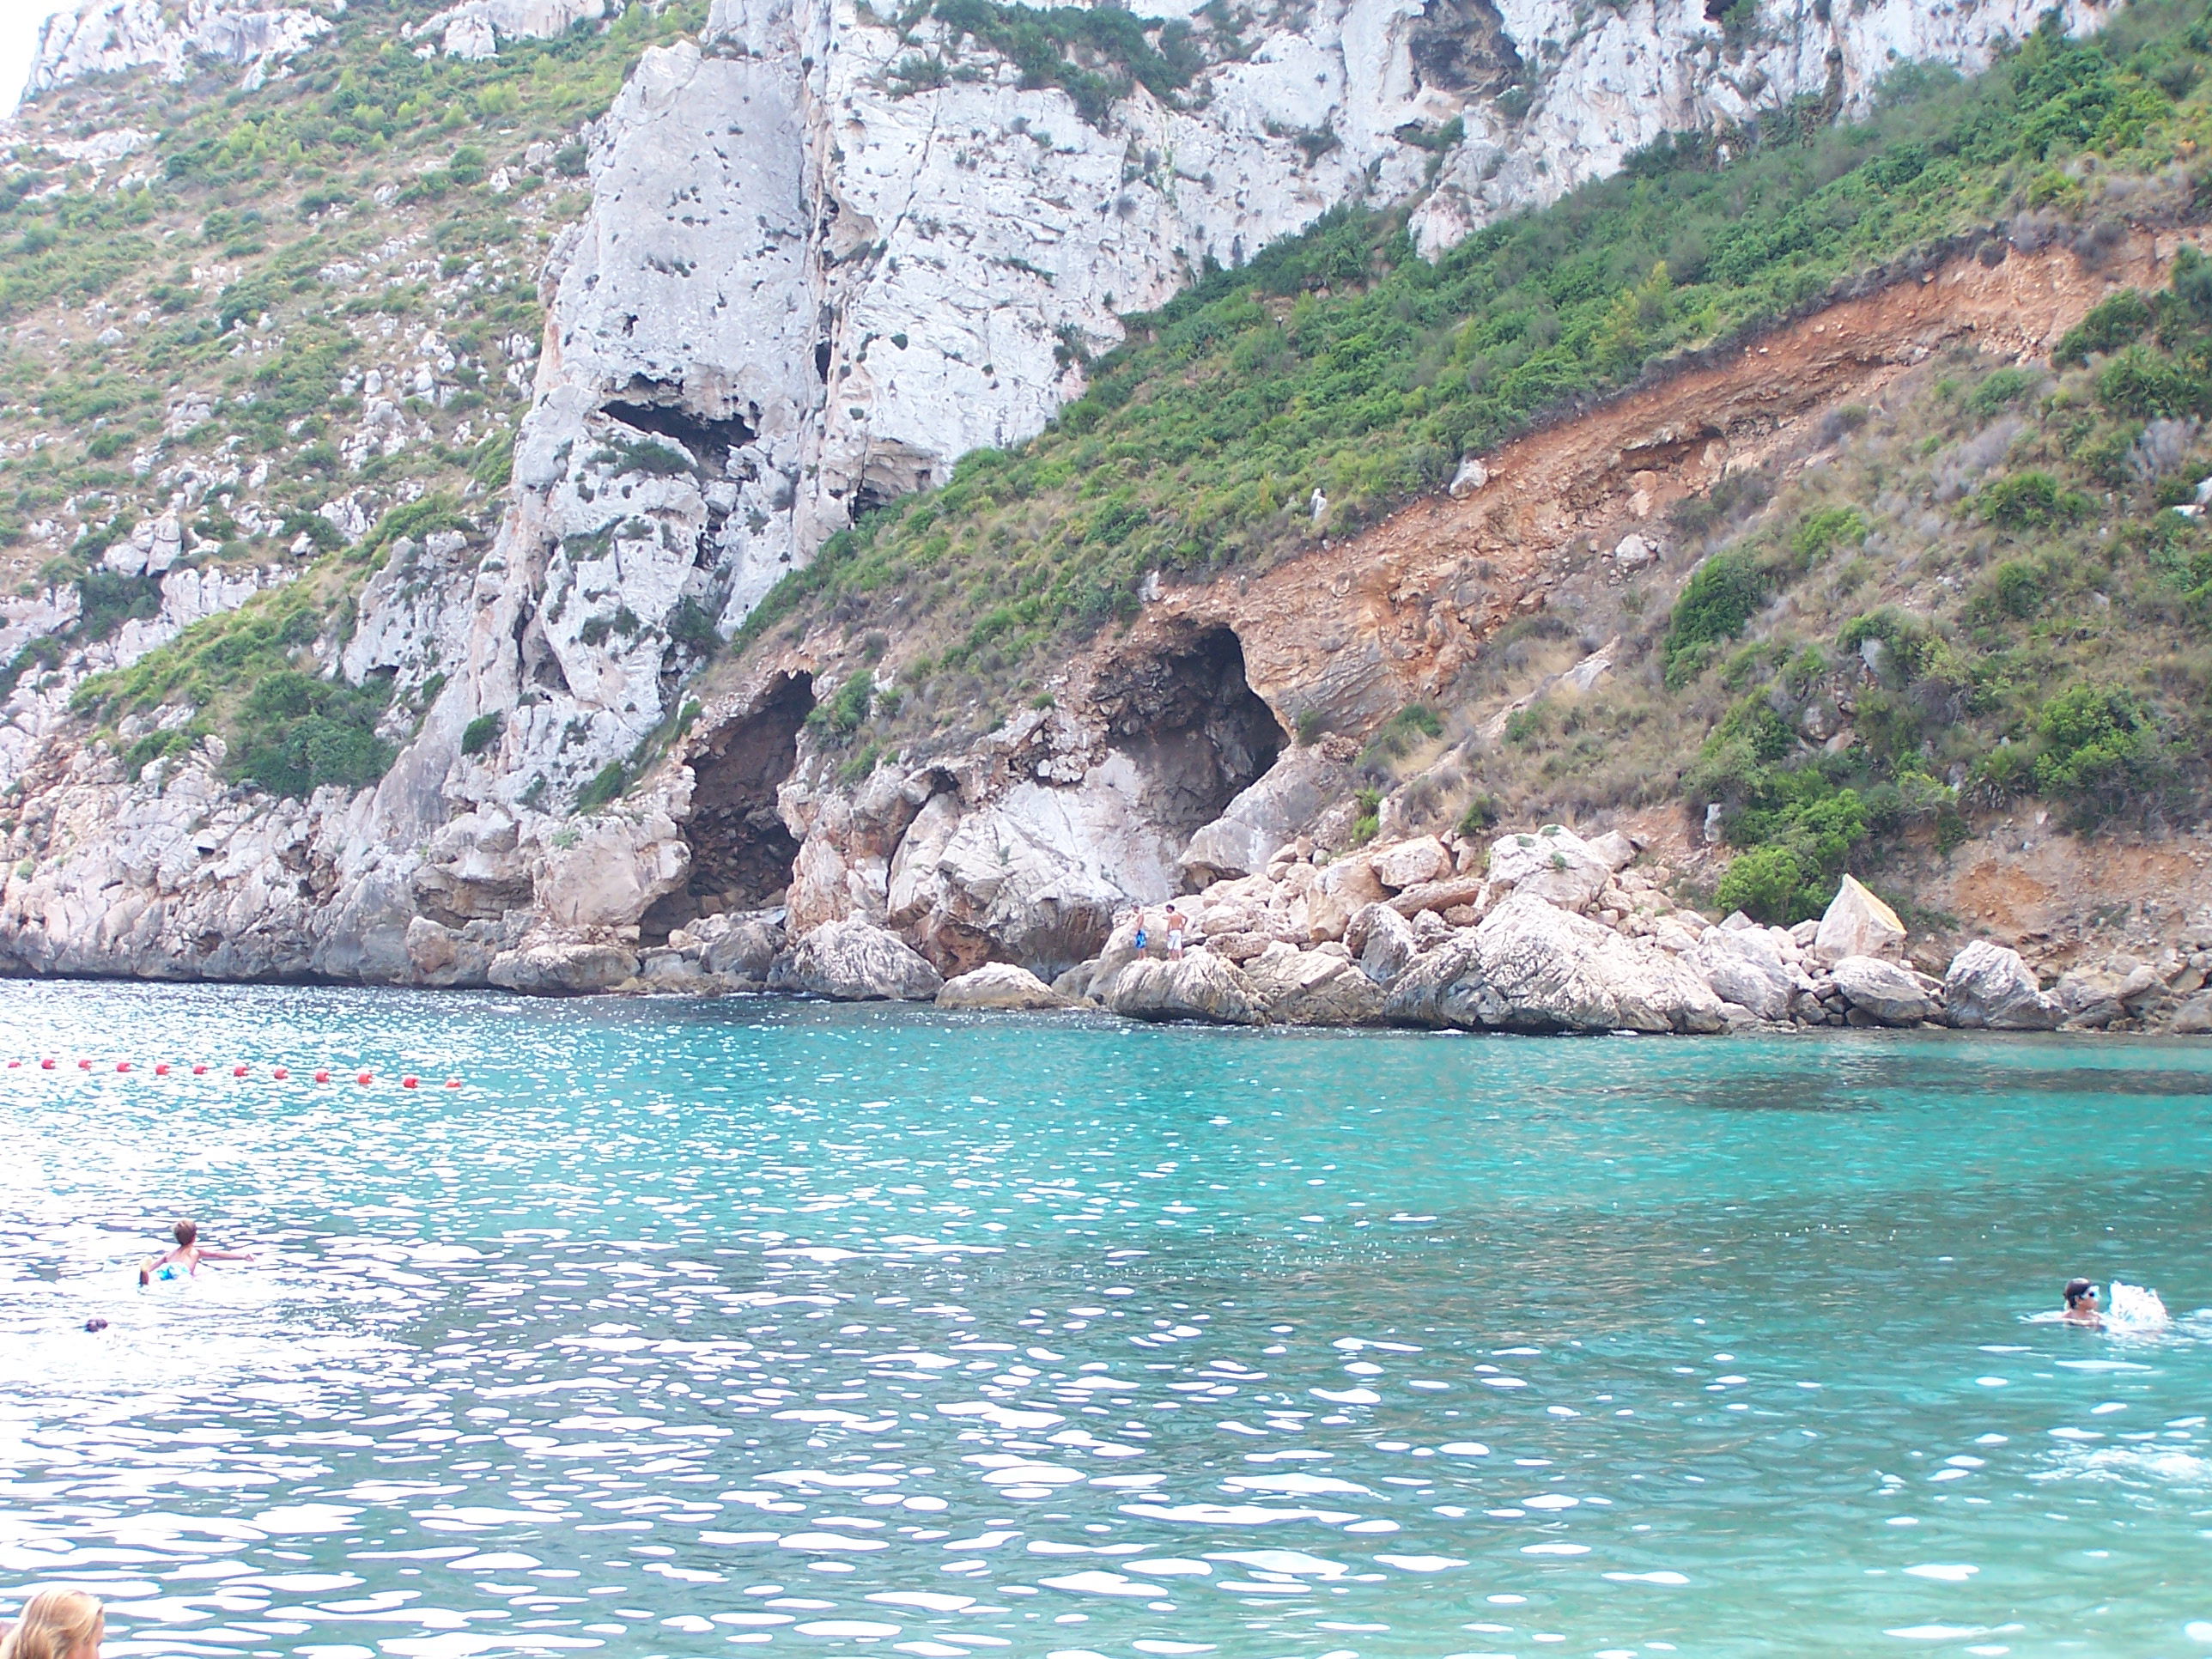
[(279, 1074)]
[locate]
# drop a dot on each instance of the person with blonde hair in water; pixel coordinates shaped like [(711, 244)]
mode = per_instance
[(185, 1261), (57, 1624)]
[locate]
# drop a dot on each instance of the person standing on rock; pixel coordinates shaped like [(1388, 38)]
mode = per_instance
[(1175, 935)]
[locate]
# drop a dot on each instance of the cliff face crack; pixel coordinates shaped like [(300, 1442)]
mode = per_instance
[(1193, 725), (742, 853)]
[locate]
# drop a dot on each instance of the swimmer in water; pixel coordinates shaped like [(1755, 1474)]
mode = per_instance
[(2081, 1304), (185, 1261)]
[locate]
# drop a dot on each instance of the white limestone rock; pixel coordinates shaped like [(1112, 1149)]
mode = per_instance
[(855, 961), (1886, 992), (1409, 863), (1989, 988), (105, 37), (1384, 941), (1302, 784), (1531, 966), (1313, 988), (1554, 864), (556, 968), (999, 984), (1746, 967), (1857, 924), (1200, 986)]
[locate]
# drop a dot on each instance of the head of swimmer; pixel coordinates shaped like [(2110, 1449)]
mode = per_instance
[(2080, 1297), (187, 1233)]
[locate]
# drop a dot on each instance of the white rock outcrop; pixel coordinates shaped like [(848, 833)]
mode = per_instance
[(105, 37), (1199, 985), (999, 984), (1531, 966), (1885, 992), (1989, 988), (1857, 923), (1554, 864), (855, 961)]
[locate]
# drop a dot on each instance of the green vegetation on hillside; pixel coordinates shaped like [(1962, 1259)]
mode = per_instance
[(1342, 362)]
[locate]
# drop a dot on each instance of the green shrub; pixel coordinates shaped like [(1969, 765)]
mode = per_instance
[(1820, 533), (2029, 501), (297, 734), (2109, 325), (1481, 815), (2018, 586), (692, 624), (2100, 749), (481, 732), (2000, 390), (1368, 823), (1721, 595), (607, 785), (1764, 883), (39, 655), (110, 600)]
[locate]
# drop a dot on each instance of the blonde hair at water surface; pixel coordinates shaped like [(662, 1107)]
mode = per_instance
[(56, 1624)]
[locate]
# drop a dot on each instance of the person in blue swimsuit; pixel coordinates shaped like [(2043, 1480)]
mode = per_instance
[(185, 1261)]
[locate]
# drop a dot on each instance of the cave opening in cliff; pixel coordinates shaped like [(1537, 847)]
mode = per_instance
[(742, 853), (1191, 721), (706, 438)]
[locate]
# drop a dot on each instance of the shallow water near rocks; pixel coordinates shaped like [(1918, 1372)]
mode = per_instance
[(762, 1325)]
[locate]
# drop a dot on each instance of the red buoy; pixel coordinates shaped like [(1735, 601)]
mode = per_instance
[(199, 1071), (84, 1065), (453, 1082), (280, 1074), (163, 1069), (363, 1080), (46, 1066), (406, 1082), (13, 1064), (238, 1070), (122, 1065), (322, 1077)]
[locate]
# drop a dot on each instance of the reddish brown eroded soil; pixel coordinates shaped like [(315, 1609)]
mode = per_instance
[(1391, 614)]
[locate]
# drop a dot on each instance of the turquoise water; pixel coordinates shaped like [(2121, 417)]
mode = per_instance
[(688, 1329)]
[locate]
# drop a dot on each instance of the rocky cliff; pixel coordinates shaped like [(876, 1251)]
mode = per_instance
[(820, 255)]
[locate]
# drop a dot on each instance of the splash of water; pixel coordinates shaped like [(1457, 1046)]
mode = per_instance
[(2131, 1307)]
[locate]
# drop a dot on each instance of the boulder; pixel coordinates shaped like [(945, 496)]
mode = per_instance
[(1554, 864), (1746, 967), (442, 956), (1886, 992), (999, 984), (1313, 988), (1409, 863), (1989, 988), (1337, 895), (1444, 988), (1075, 984), (1200, 986), (741, 946), (1532, 966), (1857, 924), (1290, 795), (556, 969), (2194, 1017), (2094, 994), (1615, 849), (854, 961), (1557, 971), (1381, 939)]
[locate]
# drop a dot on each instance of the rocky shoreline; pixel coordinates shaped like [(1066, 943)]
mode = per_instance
[(1537, 932)]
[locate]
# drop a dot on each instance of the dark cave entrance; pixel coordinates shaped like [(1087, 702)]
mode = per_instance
[(1188, 717), (742, 854)]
